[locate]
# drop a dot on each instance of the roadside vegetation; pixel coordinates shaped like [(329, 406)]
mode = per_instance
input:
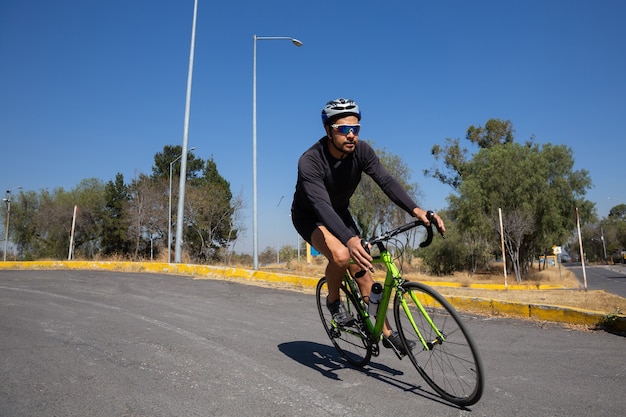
[(510, 201), (549, 287)]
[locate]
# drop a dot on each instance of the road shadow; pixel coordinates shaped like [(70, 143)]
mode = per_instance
[(618, 277), (326, 360)]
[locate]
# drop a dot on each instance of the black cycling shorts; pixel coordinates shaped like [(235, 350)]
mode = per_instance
[(305, 225)]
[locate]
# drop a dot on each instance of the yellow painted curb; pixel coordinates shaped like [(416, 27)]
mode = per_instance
[(560, 314), (196, 271), (496, 287)]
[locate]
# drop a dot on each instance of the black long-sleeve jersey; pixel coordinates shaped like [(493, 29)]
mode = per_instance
[(325, 185)]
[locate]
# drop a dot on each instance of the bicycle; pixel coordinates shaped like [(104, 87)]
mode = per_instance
[(445, 356)]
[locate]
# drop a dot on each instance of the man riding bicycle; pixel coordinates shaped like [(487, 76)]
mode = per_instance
[(328, 174)]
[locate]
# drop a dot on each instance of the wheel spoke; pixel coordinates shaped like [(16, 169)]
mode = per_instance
[(350, 341), (449, 361)]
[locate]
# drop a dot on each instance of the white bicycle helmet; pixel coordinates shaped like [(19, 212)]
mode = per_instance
[(336, 109)]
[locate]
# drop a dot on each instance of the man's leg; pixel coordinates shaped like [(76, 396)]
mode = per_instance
[(338, 263), (338, 259), (365, 286)]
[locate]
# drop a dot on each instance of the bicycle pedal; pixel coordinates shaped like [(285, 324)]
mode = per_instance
[(349, 323)]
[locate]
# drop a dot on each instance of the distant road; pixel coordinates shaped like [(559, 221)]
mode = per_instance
[(94, 343), (611, 278)]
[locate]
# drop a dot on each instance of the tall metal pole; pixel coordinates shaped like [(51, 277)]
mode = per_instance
[(255, 230), (278, 231), (169, 217), (582, 252), (8, 216), (503, 250), (255, 217), (70, 253), (183, 162), (6, 227), (169, 212)]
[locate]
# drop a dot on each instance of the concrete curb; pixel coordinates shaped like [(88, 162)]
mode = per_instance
[(558, 314)]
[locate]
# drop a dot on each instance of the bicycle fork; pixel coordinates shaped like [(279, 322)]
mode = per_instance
[(427, 344)]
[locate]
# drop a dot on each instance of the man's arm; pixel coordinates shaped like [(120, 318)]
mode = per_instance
[(394, 190)]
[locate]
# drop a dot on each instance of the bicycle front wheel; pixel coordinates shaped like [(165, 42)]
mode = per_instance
[(350, 341), (446, 355)]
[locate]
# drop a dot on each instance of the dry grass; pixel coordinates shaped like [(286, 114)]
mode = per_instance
[(570, 293), (594, 300)]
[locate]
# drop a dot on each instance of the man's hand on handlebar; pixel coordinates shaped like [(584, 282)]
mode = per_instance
[(428, 216), (358, 253)]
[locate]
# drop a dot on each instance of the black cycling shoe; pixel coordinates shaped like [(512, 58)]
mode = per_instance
[(394, 338), (340, 313)]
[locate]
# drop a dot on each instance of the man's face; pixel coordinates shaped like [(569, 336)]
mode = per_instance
[(344, 135)]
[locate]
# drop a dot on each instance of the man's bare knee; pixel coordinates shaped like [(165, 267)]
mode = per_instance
[(340, 258), (337, 254)]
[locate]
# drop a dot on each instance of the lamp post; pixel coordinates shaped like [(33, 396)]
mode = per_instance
[(255, 230), (169, 212), (616, 199), (7, 201), (278, 231), (601, 240), (183, 163)]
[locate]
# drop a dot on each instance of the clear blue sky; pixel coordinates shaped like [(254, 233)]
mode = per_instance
[(93, 88)]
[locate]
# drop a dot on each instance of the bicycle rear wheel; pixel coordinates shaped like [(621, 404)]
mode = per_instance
[(350, 341), (449, 362)]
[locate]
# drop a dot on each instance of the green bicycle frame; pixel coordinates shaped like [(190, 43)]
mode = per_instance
[(392, 280), (405, 307)]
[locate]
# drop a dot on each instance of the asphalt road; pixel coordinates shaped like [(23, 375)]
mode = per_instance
[(610, 278), (84, 343)]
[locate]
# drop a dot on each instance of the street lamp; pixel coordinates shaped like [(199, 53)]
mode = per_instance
[(183, 163), (602, 241), (255, 230), (615, 199), (169, 212), (7, 201)]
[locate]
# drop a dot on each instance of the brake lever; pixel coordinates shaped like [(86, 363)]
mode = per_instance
[(366, 246)]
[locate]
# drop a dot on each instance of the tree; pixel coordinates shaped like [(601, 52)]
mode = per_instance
[(371, 208), (496, 132), (162, 160), (618, 212), (115, 224), (43, 221), (614, 232), (455, 157), (517, 226), (24, 223), (535, 186), (52, 225), (268, 255), (130, 220), (89, 196), (147, 216), (445, 256), (210, 210)]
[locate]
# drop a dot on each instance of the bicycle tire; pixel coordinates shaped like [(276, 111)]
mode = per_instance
[(452, 367), (350, 341)]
